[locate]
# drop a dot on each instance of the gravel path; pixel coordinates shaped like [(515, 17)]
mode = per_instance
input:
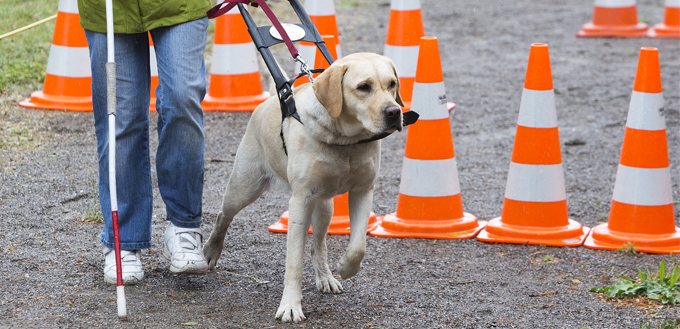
[(51, 259)]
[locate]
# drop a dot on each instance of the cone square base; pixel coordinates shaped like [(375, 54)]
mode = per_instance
[(590, 30), (233, 104), (384, 232), (543, 237), (39, 100), (602, 238), (339, 225)]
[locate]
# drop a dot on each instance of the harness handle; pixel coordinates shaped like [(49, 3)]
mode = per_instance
[(218, 10), (263, 40)]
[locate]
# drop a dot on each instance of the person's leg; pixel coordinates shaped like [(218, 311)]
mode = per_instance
[(133, 174), (181, 141)]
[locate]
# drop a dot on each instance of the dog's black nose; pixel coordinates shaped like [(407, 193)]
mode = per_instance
[(392, 112), (393, 116)]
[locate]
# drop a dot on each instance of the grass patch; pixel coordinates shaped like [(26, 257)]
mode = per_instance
[(662, 286), (628, 248), (24, 55), (666, 323)]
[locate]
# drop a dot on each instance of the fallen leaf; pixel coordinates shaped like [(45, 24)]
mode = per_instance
[(189, 323), (576, 281)]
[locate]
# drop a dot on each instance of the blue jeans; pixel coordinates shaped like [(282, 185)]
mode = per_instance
[(181, 142)]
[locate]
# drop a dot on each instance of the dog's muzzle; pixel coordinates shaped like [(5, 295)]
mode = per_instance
[(393, 118)]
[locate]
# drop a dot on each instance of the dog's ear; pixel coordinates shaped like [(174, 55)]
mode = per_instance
[(398, 98), (328, 89)]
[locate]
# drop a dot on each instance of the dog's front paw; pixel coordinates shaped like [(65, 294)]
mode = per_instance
[(290, 312), (328, 284), (348, 269), (212, 252)]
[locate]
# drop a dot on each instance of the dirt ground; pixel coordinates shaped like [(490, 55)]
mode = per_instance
[(51, 260)]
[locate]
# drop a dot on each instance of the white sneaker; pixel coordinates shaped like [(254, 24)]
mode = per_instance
[(184, 250), (133, 272)]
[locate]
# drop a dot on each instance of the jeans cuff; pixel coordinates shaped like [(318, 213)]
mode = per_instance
[(126, 246), (193, 223)]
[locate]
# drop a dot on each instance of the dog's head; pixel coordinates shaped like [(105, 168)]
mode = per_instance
[(361, 94)]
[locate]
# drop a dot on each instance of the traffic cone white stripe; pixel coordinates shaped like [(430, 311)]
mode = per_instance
[(239, 58), (429, 178), (405, 4), (320, 7), (405, 59), (68, 6), (646, 111), (72, 62), (535, 183), (643, 186), (537, 109), (614, 3), (673, 3), (431, 101)]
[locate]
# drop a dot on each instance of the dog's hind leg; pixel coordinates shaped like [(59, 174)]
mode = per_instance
[(359, 213), (321, 218), (244, 187), (299, 217)]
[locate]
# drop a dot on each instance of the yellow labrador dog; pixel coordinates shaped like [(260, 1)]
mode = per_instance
[(355, 99)]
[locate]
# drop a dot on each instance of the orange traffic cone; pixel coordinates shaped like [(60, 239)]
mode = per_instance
[(614, 18), (535, 206), (319, 61), (153, 65), (642, 205), (430, 204), (339, 223), (235, 83), (670, 28), (322, 14), (404, 30), (68, 80)]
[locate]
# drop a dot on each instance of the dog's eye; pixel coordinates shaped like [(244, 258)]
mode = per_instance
[(365, 87), (392, 84)]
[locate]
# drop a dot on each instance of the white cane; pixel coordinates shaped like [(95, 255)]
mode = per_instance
[(111, 109)]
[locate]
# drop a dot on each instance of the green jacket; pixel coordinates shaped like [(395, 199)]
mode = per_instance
[(138, 16)]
